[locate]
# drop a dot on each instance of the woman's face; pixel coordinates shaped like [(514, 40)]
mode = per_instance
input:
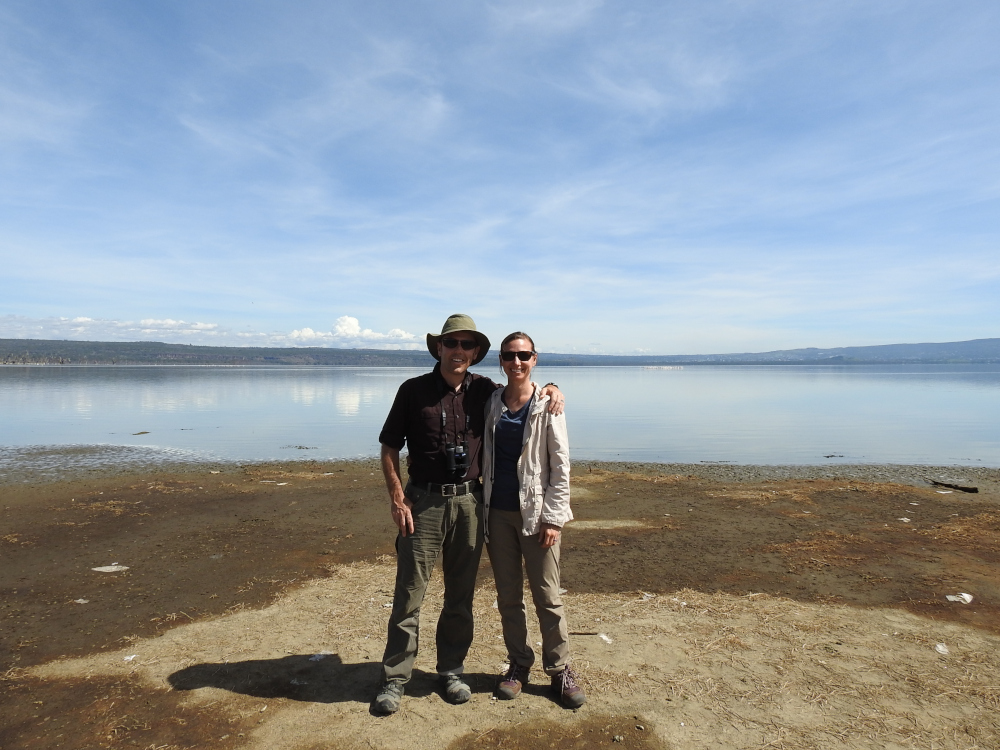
[(516, 370)]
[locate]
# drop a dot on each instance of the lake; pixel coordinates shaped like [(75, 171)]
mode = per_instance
[(928, 414)]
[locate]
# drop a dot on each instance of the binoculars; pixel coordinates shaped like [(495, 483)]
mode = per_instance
[(457, 458)]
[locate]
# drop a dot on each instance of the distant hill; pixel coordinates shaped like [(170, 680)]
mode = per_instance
[(36, 351), (978, 351)]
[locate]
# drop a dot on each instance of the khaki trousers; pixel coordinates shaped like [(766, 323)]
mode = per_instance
[(450, 527), (507, 548)]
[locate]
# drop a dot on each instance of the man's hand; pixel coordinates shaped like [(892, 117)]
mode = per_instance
[(399, 505), (402, 515), (548, 535), (556, 400)]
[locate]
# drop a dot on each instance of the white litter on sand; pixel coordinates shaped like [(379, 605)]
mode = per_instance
[(964, 598)]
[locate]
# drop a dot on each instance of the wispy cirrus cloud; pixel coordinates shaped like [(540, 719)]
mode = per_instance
[(558, 17), (723, 172)]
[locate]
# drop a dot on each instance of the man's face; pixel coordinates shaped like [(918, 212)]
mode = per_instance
[(456, 359)]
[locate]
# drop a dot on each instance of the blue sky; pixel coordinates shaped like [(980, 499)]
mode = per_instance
[(663, 177)]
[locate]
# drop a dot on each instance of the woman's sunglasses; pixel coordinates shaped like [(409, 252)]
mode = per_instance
[(523, 356), (451, 343)]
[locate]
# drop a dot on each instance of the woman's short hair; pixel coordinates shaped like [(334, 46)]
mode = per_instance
[(514, 337)]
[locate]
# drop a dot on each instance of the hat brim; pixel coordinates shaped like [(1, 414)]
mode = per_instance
[(484, 345)]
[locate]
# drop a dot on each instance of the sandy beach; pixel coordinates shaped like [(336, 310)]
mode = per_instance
[(711, 606)]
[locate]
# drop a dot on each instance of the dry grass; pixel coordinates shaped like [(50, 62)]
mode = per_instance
[(763, 497), (980, 532), (823, 550), (886, 489), (168, 487)]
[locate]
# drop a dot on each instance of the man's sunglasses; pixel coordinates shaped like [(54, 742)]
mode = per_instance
[(523, 356), (466, 344)]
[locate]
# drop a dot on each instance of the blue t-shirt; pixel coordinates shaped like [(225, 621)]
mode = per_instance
[(507, 442)]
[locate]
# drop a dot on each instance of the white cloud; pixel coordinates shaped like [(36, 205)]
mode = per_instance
[(347, 326), (308, 334), (149, 324), (347, 333)]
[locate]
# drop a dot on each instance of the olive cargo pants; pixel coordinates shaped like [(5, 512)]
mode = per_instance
[(453, 528)]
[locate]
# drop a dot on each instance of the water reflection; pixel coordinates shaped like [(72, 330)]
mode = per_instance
[(931, 414), (349, 401), (346, 395), (791, 414)]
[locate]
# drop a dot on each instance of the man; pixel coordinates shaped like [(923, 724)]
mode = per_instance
[(440, 416)]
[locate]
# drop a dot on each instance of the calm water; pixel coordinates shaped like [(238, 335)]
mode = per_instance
[(934, 414)]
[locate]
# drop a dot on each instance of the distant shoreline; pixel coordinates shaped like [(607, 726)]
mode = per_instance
[(430, 363), (23, 352)]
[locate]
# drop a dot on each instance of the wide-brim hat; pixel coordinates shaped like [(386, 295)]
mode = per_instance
[(454, 324)]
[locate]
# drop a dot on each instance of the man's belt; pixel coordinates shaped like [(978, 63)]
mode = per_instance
[(451, 490)]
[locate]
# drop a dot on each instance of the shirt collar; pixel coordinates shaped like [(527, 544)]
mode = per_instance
[(444, 383)]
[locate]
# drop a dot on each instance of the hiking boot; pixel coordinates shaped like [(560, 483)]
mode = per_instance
[(515, 679), (455, 689), (564, 685), (389, 697)]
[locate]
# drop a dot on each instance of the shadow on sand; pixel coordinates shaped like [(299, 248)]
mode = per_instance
[(303, 677)]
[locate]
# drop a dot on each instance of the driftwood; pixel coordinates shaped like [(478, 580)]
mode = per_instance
[(955, 486)]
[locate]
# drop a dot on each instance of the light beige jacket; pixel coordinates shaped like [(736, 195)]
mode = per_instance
[(542, 469)]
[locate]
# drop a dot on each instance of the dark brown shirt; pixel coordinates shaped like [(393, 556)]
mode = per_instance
[(415, 420)]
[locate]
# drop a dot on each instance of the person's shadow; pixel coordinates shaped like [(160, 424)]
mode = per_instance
[(300, 677), (304, 677)]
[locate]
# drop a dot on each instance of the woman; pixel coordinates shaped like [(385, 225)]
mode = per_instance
[(526, 494)]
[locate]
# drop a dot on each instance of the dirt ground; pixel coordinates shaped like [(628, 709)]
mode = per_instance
[(785, 614)]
